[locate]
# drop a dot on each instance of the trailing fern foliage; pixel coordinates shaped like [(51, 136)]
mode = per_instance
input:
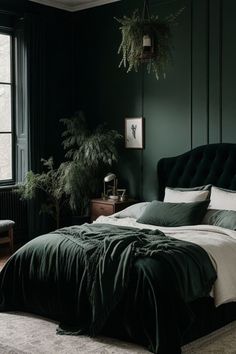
[(131, 47)]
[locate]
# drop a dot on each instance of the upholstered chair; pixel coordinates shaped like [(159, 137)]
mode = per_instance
[(6, 232)]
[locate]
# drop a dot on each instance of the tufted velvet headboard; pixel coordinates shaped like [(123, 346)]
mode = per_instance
[(209, 164)]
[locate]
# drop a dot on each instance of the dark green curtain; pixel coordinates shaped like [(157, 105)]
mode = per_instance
[(50, 81), (45, 91), (35, 39)]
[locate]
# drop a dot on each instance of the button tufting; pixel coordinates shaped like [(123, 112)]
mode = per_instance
[(208, 164)]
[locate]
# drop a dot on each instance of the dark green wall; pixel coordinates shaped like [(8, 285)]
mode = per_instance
[(194, 105)]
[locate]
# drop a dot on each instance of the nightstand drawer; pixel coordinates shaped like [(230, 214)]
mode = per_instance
[(98, 209), (107, 207)]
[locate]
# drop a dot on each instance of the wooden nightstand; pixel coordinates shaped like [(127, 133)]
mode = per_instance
[(107, 207)]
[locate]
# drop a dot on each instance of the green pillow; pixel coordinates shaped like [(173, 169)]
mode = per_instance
[(206, 187), (223, 218), (173, 214)]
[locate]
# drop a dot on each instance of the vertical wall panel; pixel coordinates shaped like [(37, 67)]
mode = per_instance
[(229, 71), (200, 72), (215, 71), (167, 101)]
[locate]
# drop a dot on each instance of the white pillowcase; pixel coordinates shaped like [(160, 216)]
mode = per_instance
[(133, 211), (222, 199), (177, 196)]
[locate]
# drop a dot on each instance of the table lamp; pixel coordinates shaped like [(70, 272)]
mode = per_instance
[(109, 178)]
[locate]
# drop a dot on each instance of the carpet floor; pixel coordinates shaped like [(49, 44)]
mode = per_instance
[(26, 334)]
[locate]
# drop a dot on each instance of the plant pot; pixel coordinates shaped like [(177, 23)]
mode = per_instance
[(79, 220)]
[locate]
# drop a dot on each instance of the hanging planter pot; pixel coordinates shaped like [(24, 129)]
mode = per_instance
[(148, 43), (146, 39)]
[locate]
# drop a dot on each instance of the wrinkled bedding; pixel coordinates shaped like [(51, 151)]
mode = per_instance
[(120, 280), (219, 243)]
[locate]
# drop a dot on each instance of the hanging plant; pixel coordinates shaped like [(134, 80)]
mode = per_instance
[(146, 39)]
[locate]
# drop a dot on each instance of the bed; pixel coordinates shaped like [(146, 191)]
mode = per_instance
[(161, 287)]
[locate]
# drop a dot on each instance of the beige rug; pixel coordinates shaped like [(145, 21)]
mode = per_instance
[(26, 334)]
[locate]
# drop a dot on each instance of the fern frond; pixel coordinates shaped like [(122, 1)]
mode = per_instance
[(131, 48)]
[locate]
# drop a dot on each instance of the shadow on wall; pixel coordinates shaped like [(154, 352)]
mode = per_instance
[(128, 172)]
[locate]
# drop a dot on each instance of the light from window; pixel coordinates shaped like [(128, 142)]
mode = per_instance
[(5, 109)]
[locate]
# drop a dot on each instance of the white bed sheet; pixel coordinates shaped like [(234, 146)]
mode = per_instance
[(219, 243)]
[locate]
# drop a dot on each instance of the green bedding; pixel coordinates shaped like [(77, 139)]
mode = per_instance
[(98, 277)]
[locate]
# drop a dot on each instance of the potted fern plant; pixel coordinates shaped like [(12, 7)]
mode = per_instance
[(89, 153), (51, 183)]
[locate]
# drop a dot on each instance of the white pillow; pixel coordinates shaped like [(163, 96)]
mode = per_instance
[(222, 199), (133, 211), (177, 196)]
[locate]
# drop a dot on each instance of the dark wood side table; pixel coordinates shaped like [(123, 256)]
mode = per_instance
[(108, 206)]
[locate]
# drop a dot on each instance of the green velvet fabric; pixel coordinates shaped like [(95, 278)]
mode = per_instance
[(173, 214), (223, 218), (209, 164), (82, 274)]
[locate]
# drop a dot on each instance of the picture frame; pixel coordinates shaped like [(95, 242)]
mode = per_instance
[(134, 133)]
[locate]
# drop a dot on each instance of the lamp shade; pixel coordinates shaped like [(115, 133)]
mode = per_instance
[(109, 177)]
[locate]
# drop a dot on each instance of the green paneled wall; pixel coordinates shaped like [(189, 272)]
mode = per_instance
[(228, 71), (194, 105)]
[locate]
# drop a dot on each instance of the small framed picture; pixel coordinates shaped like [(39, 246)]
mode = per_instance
[(134, 135)]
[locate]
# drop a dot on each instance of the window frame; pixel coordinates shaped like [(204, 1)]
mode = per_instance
[(12, 85)]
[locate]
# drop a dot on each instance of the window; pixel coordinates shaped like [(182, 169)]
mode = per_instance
[(6, 111)]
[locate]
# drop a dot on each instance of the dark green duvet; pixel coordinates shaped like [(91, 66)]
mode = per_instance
[(125, 282)]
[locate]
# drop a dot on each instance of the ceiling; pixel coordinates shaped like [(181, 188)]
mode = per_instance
[(73, 5)]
